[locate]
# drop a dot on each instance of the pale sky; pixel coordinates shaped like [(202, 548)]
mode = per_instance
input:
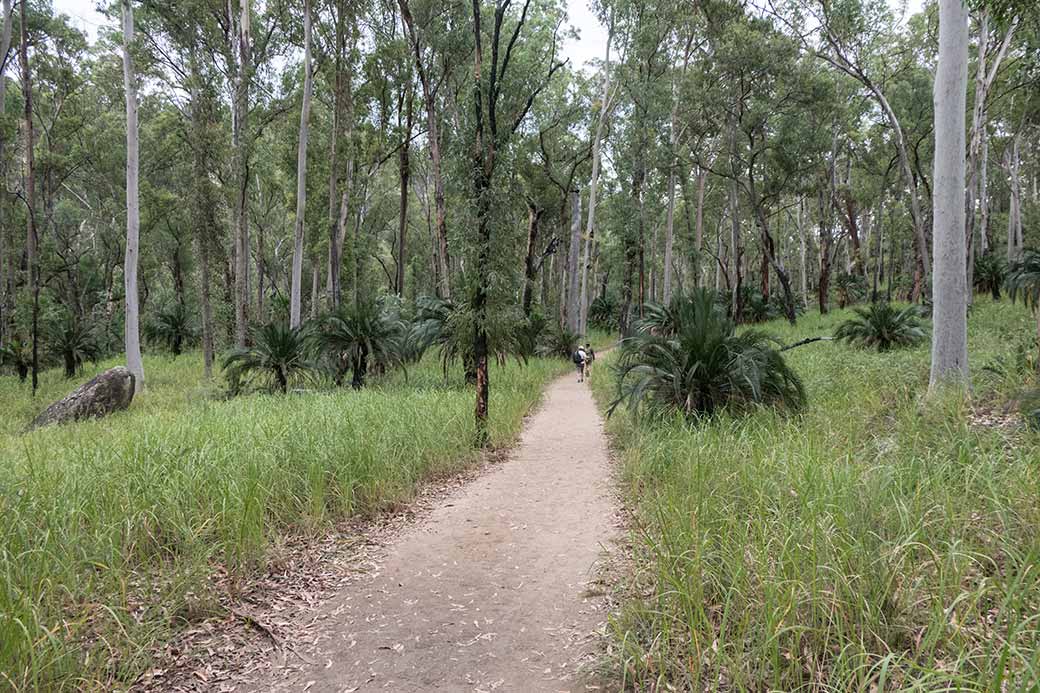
[(588, 47)]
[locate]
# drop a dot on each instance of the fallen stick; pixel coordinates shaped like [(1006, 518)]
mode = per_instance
[(810, 340)]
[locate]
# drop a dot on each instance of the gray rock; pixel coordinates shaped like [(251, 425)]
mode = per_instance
[(111, 391)]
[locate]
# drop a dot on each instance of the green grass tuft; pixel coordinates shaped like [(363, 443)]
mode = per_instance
[(877, 541), (110, 529)]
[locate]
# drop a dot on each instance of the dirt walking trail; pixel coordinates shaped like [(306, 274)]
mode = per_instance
[(496, 589)]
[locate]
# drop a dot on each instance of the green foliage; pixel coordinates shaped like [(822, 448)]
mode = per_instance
[(1024, 279), (356, 337), (559, 342), (112, 530), (851, 288), (451, 327), (990, 274), (17, 353), (689, 358), (172, 327), (879, 540), (758, 308), (604, 312), (531, 333), (72, 341), (882, 326), (279, 355)]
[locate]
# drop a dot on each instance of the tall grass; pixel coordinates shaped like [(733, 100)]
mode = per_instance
[(110, 530), (877, 541)]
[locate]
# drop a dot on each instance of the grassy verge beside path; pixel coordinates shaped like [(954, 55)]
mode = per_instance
[(877, 541), (109, 530)]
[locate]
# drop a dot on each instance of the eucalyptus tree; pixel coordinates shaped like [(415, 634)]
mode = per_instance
[(759, 87), (301, 170), (501, 100), (31, 238), (132, 326), (950, 285), (852, 35)]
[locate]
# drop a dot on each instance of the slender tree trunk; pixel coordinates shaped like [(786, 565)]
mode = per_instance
[(433, 137), (1012, 159), (315, 283), (949, 289), (133, 213), (242, 148), (735, 252), (572, 262), (404, 166), (802, 265), (590, 228), (5, 48), (301, 172), (534, 215), (826, 241), (203, 204), (31, 239), (702, 178)]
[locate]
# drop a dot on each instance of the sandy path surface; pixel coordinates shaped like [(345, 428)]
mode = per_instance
[(496, 590)]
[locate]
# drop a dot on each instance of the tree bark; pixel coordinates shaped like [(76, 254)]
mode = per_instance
[(301, 172), (1012, 161), (133, 210), (949, 288), (443, 277), (5, 48), (534, 215), (404, 167), (606, 105), (572, 262), (242, 149), (31, 239)]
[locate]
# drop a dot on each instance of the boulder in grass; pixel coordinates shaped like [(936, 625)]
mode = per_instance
[(111, 391)]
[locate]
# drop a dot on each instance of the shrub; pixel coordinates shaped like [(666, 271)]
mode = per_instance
[(279, 355), (17, 353), (355, 337), (559, 342), (689, 358), (73, 342), (883, 327), (603, 312), (851, 288), (172, 327), (990, 274), (451, 327)]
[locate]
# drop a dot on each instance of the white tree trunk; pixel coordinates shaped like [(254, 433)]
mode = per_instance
[(242, 146), (590, 230), (949, 278), (804, 275), (1015, 210), (301, 171), (572, 262), (133, 211), (5, 47), (702, 178)]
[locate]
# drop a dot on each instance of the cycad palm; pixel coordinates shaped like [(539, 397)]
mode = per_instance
[(990, 273), (74, 342), (173, 327), (689, 358), (279, 355), (359, 336), (883, 327), (451, 327), (1024, 279)]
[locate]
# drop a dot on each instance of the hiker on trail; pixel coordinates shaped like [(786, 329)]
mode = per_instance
[(590, 356), (579, 360)]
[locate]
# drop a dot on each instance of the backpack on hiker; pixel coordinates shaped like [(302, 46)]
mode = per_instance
[(579, 357)]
